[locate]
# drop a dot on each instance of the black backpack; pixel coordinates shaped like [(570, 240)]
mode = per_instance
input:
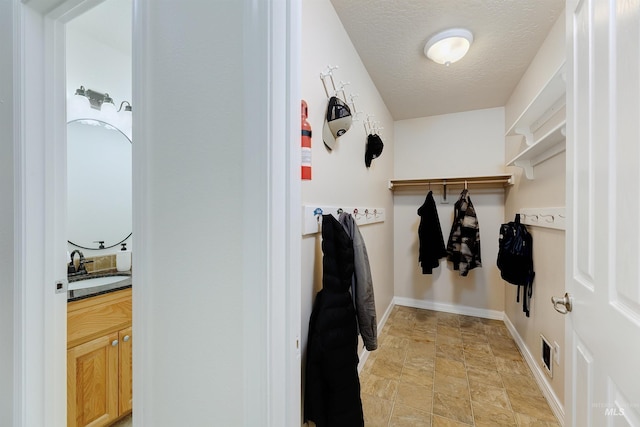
[(515, 259)]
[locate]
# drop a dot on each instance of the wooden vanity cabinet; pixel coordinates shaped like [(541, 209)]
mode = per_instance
[(99, 364), (125, 371)]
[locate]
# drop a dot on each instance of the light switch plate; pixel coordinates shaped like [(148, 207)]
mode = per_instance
[(61, 286)]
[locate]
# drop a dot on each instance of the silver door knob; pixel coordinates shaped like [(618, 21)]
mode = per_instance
[(114, 343), (562, 304), (126, 338)]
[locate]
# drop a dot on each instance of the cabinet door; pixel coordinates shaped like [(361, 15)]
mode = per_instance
[(92, 382), (125, 370)]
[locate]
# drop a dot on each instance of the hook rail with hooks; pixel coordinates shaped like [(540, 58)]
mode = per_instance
[(312, 215), (544, 217)]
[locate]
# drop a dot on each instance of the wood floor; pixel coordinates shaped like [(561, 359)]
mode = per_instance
[(441, 369)]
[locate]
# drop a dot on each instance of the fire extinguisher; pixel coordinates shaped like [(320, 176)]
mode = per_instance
[(305, 143)]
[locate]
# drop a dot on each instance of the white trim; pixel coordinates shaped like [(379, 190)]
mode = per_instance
[(30, 214), (55, 196), (293, 397), (364, 354), (19, 230), (450, 308), (539, 375), (141, 313), (271, 238)]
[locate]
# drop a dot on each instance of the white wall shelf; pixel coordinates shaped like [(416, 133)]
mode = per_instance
[(550, 144), (548, 102), (545, 104)]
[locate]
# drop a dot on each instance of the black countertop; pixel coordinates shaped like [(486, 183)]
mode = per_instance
[(78, 294)]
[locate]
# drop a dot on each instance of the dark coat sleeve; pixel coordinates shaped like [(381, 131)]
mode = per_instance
[(430, 236)]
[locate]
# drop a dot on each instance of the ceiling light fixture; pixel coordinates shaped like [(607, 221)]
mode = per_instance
[(448, 46)]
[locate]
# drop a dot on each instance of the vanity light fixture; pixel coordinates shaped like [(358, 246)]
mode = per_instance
[(108, 109), (126, 107), (97, 100), (124, 112), (78, 102), (448, 46), (91, 104)]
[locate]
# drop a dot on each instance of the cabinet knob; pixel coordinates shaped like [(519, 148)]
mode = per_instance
[(114, 343), (126, 338)]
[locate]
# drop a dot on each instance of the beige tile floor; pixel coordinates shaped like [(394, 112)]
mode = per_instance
[(440, 369), (125, 422)]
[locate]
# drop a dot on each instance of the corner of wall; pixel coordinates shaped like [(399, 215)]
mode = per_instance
[(541, 379), (546, 190), (549, 58)]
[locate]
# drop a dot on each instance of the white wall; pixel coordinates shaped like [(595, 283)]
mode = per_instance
[(190, 348), (6, 213), (546, 190), (340, 177), (93, 64), (461, 144)]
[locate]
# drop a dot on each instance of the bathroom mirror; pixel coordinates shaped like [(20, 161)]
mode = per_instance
[(98, 184)]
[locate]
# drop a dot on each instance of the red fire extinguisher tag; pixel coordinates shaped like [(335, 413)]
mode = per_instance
[(305, 143)]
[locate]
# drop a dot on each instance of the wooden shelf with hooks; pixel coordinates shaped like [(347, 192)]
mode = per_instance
[(487, 181)]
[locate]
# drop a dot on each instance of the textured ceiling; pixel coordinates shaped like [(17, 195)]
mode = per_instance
[(390, 35)]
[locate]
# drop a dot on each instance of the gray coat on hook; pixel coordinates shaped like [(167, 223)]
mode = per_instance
[(362, 286)]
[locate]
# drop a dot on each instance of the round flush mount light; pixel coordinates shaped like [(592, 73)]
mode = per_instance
[(448, 46)]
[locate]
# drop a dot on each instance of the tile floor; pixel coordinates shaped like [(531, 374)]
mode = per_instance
[(440, 369), (125, 422)]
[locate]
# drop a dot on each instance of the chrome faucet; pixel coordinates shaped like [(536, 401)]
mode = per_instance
[(82, 269)]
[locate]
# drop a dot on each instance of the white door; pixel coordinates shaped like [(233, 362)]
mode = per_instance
[(603, 205)]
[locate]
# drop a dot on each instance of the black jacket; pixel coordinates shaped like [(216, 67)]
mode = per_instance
[(332, 392), (430, 236)]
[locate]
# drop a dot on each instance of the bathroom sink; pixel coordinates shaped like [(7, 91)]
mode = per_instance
[(98, 281)]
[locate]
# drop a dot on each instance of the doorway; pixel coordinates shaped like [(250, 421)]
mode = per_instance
[(98, 77), (269, 308)]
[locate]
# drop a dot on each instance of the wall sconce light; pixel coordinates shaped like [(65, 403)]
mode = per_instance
[(91, 104), (126, 107), (125, 116), (97, 100), (448, 46)]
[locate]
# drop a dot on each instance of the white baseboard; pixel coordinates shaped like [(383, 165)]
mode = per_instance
[(364, 354), (538, 374), (450, 308)]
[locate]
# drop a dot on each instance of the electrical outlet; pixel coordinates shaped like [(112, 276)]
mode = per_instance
[(556, 353)]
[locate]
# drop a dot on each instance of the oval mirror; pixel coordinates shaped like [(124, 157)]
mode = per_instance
[(98, 184)]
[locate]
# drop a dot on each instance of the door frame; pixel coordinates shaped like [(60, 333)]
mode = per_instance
[(39, 345), (40, 217)]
